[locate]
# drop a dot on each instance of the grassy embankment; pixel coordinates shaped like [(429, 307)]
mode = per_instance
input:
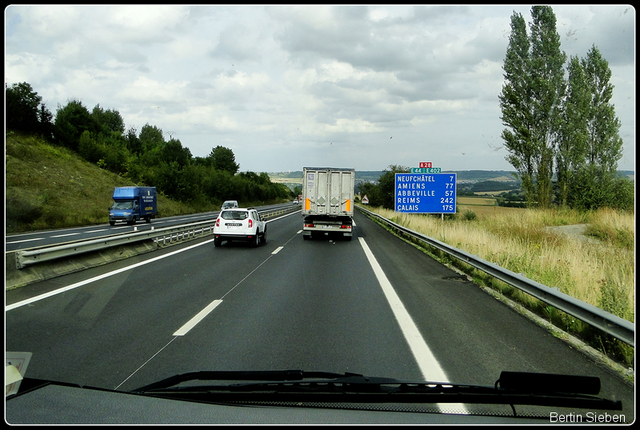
[(51, 187), (600, 271)]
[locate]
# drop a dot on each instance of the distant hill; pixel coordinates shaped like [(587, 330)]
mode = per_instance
[(462, 175), (483, 175), (294, 179), (492, 178), (374, 175)]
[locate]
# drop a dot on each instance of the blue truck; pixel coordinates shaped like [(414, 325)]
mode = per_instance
[(131, 204)]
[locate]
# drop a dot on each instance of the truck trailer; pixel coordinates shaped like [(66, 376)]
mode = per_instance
[(327, 201), (133, 203)]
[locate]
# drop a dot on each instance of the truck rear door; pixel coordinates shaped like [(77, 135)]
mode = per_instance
[(332, 192), (339, 185)]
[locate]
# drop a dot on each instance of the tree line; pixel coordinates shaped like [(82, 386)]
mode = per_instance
[(145, 157), (562, 134)]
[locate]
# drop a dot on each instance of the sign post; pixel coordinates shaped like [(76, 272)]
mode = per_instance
[(425, 192)]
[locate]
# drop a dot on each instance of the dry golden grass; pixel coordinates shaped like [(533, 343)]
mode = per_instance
[(482, 211), (597, 271)]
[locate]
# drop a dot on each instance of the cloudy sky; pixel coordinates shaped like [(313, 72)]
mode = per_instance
[(286, 87)]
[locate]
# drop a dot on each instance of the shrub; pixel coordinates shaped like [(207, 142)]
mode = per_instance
[(469, 215)]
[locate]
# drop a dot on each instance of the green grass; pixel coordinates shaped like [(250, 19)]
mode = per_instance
[(51, 187)]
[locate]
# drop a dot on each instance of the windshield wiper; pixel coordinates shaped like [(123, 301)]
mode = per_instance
[(513, 388)]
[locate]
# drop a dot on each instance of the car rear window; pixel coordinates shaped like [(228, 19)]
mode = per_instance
[(234, 215)]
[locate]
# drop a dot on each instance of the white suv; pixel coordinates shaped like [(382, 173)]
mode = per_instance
[(240, 224)]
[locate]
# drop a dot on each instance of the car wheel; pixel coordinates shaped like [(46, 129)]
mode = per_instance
[(264, 237), (217, 242), (256, 239)]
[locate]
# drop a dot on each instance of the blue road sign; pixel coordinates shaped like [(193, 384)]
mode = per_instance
[(425, 193)]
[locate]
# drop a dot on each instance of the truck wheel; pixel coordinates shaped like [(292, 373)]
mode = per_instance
[(147, 219), (112, 223)]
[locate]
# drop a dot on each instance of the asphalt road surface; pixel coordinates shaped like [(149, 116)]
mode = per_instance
[(374, 305)]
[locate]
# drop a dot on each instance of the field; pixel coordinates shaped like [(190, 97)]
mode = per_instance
[(597, 267), (482, 206), (476, 201)]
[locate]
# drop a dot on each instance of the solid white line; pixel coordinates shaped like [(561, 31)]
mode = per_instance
[(429, 366), (97, 278), (65, 235), (196, 319)]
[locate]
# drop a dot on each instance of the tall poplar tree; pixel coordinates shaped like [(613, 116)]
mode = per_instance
[(604, 144), (572, 144), (595, 184), (547, 90), (531, 102), (515, 104)]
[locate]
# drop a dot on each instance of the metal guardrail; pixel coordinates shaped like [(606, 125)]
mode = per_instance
[(596, 317), (160, 236)]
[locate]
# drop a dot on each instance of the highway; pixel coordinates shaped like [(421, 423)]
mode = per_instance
[(22, 241), (374, 305)]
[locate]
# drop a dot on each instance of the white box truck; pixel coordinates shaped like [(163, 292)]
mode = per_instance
[(327, 201)]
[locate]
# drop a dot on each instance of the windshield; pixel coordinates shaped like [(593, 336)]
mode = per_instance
[(234, 215), (464, 174), (122, 204)]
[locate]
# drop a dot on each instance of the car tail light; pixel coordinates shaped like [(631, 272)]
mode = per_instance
[(309, 225), (346, 226), (250, 223), (218, 222)]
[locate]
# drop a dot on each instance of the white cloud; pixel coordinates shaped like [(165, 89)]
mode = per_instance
[(283, 86), (151, 91)]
